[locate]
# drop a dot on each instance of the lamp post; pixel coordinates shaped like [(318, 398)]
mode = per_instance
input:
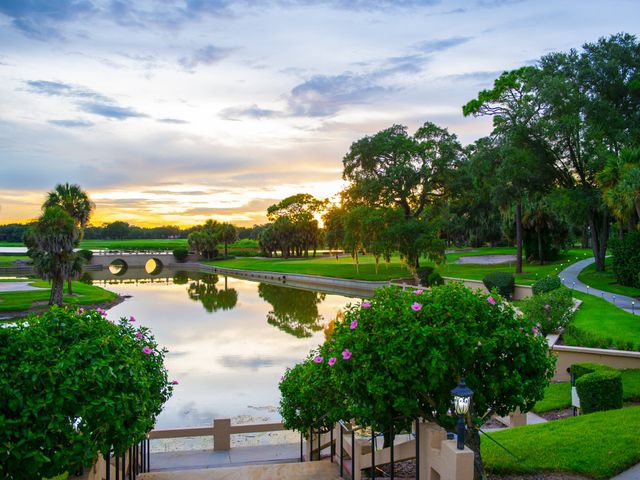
[(461, 401), (633, 308)]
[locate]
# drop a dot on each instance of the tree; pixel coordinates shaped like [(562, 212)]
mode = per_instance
[(591, 114), (51, 241), (295, 227), (73, 385), (204, 241), (398, 355), (76, 203), (392, 169), (73, 199), (523, 165), (227, 233), (620, 183), (117, 230)]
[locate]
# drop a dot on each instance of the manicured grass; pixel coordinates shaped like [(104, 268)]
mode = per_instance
[(345, 267), (600, 324), (83, 295), (599, 445), (532, 272), (135, 244), (558, 395), (606, 280), (323, 266)]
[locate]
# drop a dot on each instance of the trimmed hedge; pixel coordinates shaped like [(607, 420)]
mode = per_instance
[(503, 281), (546, 284), (423, 274), (435, 279), (181, 254), (626, 259), (599, 386)]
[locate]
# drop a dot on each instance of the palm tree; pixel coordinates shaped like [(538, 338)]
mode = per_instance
[(51, 241), (227, 234), (76, 203)]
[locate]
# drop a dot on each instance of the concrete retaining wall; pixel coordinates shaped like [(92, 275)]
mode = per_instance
[(567, 356)]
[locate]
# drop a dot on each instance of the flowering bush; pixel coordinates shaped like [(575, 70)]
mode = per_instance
[(550, 311), (309, 395), (73, 384)]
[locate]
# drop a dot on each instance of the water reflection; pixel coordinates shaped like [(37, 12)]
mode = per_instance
[(228, 361), (294, 311), (118, 268), (204, 290)]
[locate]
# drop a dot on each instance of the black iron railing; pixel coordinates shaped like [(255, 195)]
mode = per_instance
[(135, 460)]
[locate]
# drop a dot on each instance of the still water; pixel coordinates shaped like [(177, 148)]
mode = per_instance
[(229, 340)]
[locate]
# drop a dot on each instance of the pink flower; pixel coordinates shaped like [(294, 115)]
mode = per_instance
[(318, 359), (174, 382), (281, 378), (139, 335), (332, 361), (366, 305), (418, 292), (147, 350), (132, 318), (101, 312), (491, 301), (353, 325), (80, 311), (535, 330), (546, 307), (416, 307), (346, 355)]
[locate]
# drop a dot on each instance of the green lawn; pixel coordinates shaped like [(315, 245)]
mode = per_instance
[(600, 324), (558, 395), (606, 280), (532, 272), (345, 267), (83, 295), (7, 260), (599, 445), (323, 266)]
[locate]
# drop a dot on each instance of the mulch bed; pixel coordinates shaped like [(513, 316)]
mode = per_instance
[(557, 414)]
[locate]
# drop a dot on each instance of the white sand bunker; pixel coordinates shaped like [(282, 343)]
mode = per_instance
[(487, 259)]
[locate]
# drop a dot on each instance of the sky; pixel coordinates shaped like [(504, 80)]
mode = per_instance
[(176, 111)]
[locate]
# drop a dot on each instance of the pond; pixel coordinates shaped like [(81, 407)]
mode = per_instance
[(229, 339)]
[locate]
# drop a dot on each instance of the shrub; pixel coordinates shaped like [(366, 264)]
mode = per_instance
[(546, 284), (86, 255), (626, 259), (599, 387), (574, 335), (503, 281), (310, 396), (423, 274), (550, 311), (435, 279), (73, 384), (181, 254)]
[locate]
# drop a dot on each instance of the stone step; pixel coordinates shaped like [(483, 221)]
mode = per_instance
[(276, 471)]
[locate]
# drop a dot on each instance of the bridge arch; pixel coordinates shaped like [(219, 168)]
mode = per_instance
[(118, 267), (153, 266)]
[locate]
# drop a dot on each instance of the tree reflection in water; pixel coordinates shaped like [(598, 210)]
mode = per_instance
[(204, 290), (294, 311)]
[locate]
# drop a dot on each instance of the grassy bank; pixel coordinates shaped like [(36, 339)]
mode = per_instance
[(599, 445), (148, 244), (558, 395), (83, 295), (8, 260), (606, 280), (600, 324), (345, 266)]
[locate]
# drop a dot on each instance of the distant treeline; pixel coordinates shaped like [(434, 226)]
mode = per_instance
[(14, 232)]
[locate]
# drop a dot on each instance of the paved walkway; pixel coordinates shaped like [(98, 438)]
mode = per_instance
[(18, 286), (195, 459), (569, 277), (289, 471)]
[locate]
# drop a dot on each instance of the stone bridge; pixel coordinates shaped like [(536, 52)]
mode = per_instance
[(118, 262)]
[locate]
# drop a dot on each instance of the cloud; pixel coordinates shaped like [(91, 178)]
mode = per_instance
[(110, 110), (60, 89), (439, 45), (253, 363), (71, 123), (252, 111), (37, 18), (366, 5), (175, 121), (497, 3), (206, 55)]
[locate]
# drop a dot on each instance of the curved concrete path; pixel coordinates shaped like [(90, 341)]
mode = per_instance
[(569, 277)]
